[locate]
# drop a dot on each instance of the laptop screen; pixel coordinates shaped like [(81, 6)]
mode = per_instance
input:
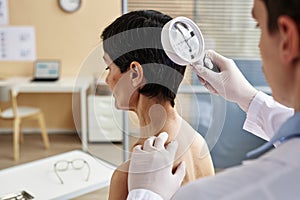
[(46, 69)]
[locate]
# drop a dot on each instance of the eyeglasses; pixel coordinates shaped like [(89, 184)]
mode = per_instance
[(77, 164)]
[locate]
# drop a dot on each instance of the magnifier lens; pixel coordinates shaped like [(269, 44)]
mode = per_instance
[(184, 41)]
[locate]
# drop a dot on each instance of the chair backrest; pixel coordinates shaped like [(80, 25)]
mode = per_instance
[(5, 93)]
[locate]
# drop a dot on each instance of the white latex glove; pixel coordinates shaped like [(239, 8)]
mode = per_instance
[(151, 167), (229, 83)]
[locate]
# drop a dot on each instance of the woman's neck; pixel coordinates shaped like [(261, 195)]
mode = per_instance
[(155, 117)]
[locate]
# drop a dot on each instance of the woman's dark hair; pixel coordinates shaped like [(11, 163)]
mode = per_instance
[(136, 36), (276, 8)]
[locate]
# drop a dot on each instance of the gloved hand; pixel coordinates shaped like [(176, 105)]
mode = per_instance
[(151, 167), (229, 83)]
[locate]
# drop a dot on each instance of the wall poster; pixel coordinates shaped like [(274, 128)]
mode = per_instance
[(17, 43), (3, 12)]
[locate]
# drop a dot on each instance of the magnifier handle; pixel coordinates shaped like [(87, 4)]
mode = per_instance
[(209, 64)]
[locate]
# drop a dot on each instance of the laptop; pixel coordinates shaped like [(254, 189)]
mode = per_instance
[(46, 70)]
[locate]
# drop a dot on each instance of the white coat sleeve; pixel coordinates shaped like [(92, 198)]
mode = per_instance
[(265, 116), (142, 194), (273, 176)]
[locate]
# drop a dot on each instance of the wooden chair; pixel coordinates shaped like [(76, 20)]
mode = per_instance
[(17, 114)]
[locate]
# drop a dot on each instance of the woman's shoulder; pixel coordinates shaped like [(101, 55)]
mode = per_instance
[(121, 173), (191, 140), (123, 167), (118, 183), (187, 129)]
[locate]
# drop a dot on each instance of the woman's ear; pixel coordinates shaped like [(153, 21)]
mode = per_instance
[(136, 73), (289, 39)]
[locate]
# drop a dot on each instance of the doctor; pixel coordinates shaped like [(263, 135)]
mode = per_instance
[(274, 175)]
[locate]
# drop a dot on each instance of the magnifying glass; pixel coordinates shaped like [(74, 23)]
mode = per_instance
[(183, 42)]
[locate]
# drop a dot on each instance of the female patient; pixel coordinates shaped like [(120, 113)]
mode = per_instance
[(144, 80)]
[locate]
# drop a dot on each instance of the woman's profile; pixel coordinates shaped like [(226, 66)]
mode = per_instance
[(144, 80)]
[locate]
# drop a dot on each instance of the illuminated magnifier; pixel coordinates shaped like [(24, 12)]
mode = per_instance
[(183, 42)]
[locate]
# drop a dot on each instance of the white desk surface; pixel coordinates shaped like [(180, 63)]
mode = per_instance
[(64, 84), (39, 179)]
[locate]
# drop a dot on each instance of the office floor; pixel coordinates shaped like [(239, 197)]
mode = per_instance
[(32, 149)]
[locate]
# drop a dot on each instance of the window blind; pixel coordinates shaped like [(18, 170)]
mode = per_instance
[(226, 25)]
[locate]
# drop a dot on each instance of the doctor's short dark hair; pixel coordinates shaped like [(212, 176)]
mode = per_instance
[(276, 8), (136, 36)]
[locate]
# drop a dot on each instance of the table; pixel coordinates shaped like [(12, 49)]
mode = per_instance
[(39, 179), (63, 85)]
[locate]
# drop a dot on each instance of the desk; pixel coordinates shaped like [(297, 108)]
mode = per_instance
[(39, 179), (63, 85)]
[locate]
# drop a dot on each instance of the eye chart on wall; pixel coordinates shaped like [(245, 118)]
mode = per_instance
[(17, 43)]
